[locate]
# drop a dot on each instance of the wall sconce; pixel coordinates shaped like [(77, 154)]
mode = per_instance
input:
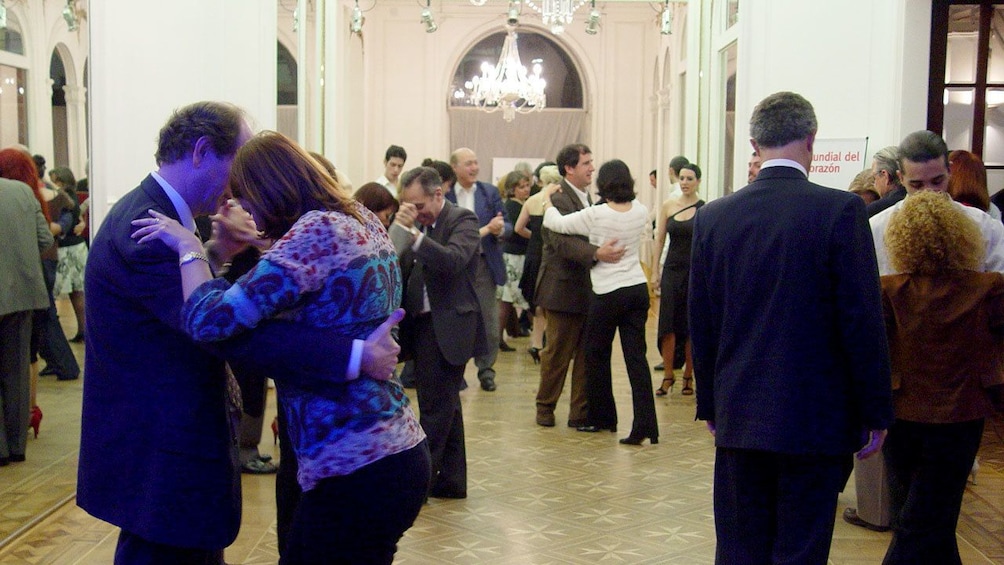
[(356, 25), (667, 20), (593, 21), (430, 23), (70, 15)]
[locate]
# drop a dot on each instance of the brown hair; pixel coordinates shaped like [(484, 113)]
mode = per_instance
[(18, 165), (376, 197), (968, 181), (281, 182), (929, 234)]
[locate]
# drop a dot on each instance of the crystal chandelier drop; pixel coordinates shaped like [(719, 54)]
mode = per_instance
[(507, 86), (556, 14)]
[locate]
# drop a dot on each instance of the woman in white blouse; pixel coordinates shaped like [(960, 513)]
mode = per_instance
[(620, 301)]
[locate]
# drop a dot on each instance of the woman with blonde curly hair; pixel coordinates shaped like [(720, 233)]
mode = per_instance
[(945, 322)]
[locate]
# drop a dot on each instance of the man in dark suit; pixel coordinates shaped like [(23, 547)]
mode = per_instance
[(790, 351), (158, 456), (564, 291), (438, 245), (885, 165), (484, 200)]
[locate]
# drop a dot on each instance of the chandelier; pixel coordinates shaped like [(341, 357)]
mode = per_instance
[(556, 14), (507, 86)]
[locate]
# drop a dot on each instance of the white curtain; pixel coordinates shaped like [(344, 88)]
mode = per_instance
[(540, 134)]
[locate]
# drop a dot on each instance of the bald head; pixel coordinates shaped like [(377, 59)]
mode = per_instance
[(465, 164)]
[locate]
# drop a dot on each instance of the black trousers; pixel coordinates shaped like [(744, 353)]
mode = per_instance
[(772, 508), (927, 467), (48, 339), (357, 519), (134, 550), (437, 383), (624, 310)]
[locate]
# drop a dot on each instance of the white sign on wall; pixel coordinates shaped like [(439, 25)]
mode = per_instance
[(835, 162)]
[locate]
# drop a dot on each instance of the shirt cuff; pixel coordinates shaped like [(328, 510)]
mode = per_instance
[(355, 360), (418, 241)]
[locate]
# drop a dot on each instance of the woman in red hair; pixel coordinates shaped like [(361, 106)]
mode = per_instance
[(968, 182)]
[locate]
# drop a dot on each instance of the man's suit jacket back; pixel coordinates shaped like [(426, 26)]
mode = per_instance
[(790, 352), (487, 205), (24, 233), (446, 263), (563, 284)]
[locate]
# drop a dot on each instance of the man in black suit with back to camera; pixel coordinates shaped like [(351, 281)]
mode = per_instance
[(789, 344)]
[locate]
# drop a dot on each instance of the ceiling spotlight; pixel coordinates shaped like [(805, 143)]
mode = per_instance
[(593, 21), (430, 24), (70, 15), (667, 20), (512, 17), (356, 25)]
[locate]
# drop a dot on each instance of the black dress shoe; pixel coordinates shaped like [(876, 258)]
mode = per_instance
[(17, 457), (488, 385), (454, 494), (660, 367), (503, 346), (47, 371), (576, 423), (851, 517), (637, 440), (593, 429), (67, 378), (79, 338)]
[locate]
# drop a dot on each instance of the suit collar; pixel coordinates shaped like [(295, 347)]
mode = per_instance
[(780, 172), (156, 193)]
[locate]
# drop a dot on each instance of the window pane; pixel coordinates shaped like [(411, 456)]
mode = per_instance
[(995, 66), (731, 13), (959, 107), (13, 110), (993, 143), (995, 180), (963, 30)]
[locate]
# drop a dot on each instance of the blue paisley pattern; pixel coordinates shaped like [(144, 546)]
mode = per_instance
[(328, 271)]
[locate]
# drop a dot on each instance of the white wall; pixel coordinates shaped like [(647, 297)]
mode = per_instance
[(150, 58), (862, 63)]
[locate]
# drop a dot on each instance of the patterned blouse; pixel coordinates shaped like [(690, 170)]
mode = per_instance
[(328, 271)]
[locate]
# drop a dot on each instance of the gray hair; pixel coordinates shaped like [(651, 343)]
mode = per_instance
[(781, 118), (427, 177), (888, 160), (922, 146)]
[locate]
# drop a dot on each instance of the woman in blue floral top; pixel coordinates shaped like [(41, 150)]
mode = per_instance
[(363, 460)]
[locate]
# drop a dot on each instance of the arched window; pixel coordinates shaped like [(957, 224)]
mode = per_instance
[(13, 87), (564, 86)]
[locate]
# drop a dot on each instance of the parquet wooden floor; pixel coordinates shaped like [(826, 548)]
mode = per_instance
[(536, 495)]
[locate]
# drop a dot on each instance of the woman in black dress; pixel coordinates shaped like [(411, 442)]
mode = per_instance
[(676, 218)]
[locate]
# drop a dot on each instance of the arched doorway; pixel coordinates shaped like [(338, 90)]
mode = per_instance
[(60, 136), (534, 136), (286, 92)]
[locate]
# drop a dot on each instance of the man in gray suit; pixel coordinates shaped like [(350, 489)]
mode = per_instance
[(438, 245), (24, 232)]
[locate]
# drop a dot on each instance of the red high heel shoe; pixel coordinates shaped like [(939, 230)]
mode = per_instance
[(275, 430), (36, 419)]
